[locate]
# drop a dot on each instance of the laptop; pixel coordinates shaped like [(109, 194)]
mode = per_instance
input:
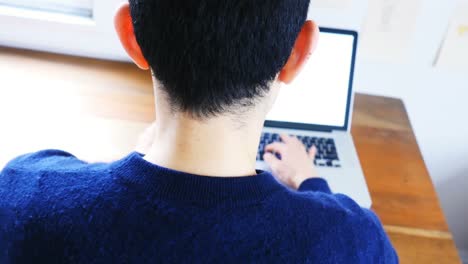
[(317, 108)]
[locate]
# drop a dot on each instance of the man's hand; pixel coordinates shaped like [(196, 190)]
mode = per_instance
[(145, 140), (295, 165)]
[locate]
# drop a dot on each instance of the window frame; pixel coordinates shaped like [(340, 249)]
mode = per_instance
[(63, 33)]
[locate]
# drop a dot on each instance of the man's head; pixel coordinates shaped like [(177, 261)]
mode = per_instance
[(215, 57)]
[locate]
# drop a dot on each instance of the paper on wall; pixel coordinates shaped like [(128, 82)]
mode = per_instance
[(389, 29), (454, 50)]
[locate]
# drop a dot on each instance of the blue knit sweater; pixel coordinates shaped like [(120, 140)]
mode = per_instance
[(55, 208)]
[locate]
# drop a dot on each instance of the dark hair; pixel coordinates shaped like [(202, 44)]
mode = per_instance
[(211, 55)]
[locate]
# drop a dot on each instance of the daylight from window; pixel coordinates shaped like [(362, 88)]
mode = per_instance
[(83, 8)]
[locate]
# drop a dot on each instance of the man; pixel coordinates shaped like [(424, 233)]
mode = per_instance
[(191, 193)]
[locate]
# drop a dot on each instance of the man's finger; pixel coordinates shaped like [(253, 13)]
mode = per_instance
[(296, 141), (286, 138), (312, 152), (272, 161), (276, 147)]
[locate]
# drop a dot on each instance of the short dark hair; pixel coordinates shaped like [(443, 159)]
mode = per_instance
[(211, 55)]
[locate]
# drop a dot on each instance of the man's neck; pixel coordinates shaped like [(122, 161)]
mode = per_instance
[(215, 147)]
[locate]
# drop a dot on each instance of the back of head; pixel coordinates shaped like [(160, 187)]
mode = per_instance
[(214, 57)]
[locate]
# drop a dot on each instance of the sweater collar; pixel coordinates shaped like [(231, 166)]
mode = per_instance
[(174, 185)]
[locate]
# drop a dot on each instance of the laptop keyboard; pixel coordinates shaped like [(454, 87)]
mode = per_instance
[(326, 156)]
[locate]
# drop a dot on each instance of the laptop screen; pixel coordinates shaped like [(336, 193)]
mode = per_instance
[(320, 95)]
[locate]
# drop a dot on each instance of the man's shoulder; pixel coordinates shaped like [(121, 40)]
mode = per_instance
[(45, 160), (44, 192), (51, 174), (334, 224), (311, 202), (324, 210)]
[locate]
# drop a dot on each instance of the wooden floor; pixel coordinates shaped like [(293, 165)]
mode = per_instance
[(97, 109)]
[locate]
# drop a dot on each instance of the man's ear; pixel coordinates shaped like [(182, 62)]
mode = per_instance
[(305, 44), (124, 27)]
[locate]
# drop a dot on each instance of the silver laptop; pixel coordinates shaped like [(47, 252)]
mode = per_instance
[(317, 108)]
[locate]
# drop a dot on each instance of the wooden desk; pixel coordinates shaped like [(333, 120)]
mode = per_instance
[(96, 109), (401, 189)]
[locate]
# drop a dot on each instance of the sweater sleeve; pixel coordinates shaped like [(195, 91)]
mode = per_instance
[(368, 233), (359, 230), (315, 185)]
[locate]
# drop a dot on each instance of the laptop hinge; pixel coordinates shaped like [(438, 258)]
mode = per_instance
[(298, 126)]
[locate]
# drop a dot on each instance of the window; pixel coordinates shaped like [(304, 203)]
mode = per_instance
[(75, 27), (82, 8)]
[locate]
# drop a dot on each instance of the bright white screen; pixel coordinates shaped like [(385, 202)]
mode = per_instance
[(319, 94)]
